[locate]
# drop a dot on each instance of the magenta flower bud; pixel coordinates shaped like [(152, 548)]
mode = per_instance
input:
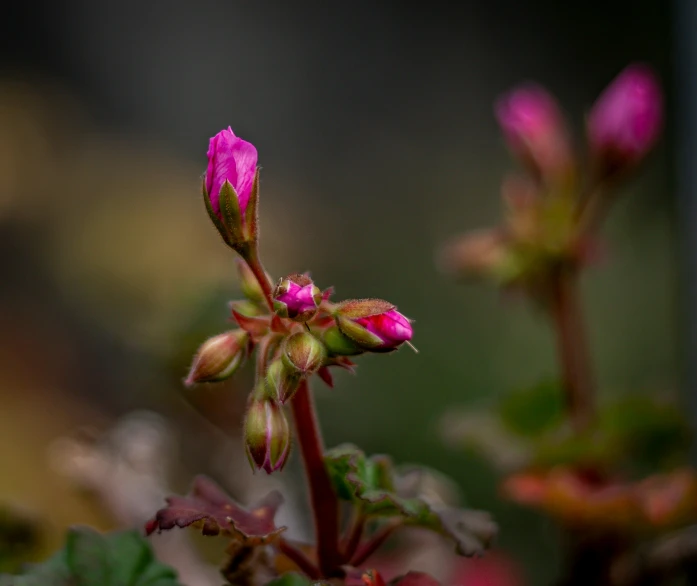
[(534, 128), (230, 188), (297, 298), (219, 357), (266, 435), (230, 159), (373, 324), (626, 119)]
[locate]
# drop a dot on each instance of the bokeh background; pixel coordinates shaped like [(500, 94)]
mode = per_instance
[(376, 135)]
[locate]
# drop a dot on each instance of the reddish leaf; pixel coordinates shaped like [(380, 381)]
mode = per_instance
[(215, 513), (325, 374), (327, 293), (278, 326), (256, 326)]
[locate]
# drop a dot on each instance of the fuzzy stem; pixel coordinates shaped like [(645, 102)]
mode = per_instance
[(371, 546), (572, 349), (299, 559), (325, 506), (250, 254)]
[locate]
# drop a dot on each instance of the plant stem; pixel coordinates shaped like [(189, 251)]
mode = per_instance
[(299, 559), (251, 256), (354, 534), (573, 349), (370, 547), (325, 505)]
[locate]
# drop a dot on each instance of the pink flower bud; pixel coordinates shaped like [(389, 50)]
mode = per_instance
[(373, 324), (219, 357), (297, 298), (626, 119), (230, 159), (266, 435), (535, 130)]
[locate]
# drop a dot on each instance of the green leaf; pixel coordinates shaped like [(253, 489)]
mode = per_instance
[(383, 491), (650, 432), (534, 411), (292, 579), (92, 559)]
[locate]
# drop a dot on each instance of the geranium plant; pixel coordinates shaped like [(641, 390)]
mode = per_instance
[(295, 334), (612, 473)]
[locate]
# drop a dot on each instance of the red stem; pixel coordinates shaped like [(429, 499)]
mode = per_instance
[(325, 506), (370, 547), (573, 349), (299, 559), (251, 257), (353, 536)]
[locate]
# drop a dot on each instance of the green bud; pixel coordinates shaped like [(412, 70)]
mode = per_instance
[(219, 357), (282, 381), (303, 353), (266, 435)]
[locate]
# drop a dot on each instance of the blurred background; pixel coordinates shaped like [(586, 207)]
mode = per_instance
[(376, 135)]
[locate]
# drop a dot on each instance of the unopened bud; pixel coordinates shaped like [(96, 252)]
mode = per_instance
[(476, 253), (266, 435), (249, 284), (303, 353), (535, 130), (373, 324), (219, 357), (297, 298), (282, 381), (626, 119)]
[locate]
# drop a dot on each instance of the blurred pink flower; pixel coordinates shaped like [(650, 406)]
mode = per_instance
[(235, 160), (534, 129), (626, 119)]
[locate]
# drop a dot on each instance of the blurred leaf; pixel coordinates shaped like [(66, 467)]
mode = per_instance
[(415, 579), (215, 513), (589, 449), (383, 491), (534, 411), (653, 434), (92, 559), (292, 579)]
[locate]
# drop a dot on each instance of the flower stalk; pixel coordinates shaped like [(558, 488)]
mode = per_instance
[(325, 505), (572, 348)]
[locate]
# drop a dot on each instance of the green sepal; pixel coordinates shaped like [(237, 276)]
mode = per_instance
[(358, 333), (230, 212), (217, 222), (251, 214), (337, 344), (358, 308)]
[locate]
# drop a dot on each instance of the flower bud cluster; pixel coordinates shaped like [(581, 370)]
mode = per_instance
[(552, 212), (294, 329)]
